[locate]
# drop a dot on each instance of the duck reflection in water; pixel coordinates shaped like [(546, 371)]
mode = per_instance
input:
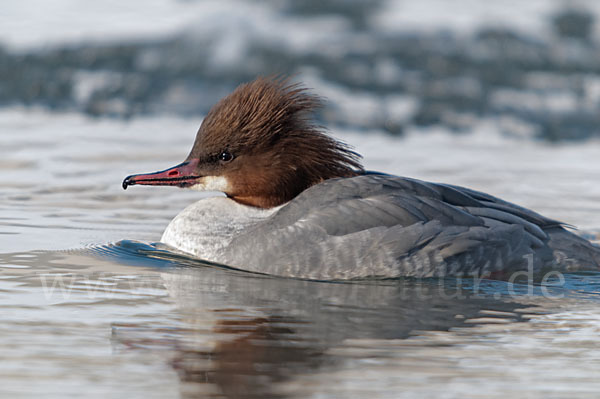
[(252, 336)]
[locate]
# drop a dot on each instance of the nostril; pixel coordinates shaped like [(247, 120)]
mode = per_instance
[(173, 173)]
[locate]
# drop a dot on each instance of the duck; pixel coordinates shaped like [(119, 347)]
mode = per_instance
[(298, 203)]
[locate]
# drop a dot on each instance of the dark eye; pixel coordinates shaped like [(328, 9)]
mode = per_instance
[(225, 156)]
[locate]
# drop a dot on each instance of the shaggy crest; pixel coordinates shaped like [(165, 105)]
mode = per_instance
[(269, 121)]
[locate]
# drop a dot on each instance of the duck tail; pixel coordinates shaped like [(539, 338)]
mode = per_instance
[(572, 252)]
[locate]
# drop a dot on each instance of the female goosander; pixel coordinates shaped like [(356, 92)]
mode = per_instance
[(299, 204)]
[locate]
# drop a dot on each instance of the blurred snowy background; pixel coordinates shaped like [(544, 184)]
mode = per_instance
[(530, 68)]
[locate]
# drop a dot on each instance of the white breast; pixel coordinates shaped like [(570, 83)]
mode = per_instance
[(205, 228)]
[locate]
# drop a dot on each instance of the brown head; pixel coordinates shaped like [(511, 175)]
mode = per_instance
[(260, 147)]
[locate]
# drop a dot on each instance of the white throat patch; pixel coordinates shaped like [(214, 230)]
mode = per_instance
[(212, 183)]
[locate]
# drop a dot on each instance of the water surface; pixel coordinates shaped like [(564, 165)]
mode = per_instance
[(131, 320)]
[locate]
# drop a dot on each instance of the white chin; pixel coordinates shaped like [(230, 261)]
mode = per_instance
[(212, 183)]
